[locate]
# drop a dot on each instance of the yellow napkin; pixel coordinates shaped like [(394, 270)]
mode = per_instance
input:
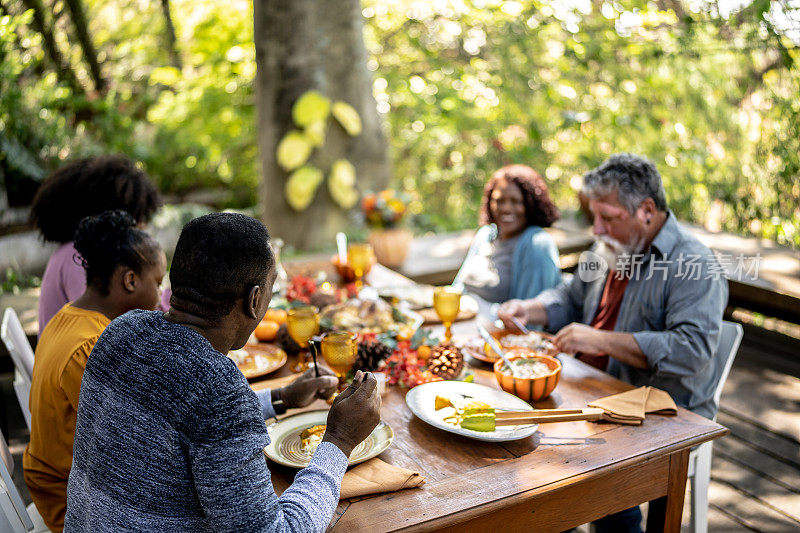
[(376, 476), (630, 407)]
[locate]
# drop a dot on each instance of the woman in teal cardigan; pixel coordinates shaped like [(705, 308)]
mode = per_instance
[(511, 255)]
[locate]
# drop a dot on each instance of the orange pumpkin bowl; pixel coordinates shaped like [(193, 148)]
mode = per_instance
[(529, 389), (344, 270)]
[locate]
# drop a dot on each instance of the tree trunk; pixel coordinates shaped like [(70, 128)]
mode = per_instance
[(303, 45), (169, 33), (87, 47), (63, 69)]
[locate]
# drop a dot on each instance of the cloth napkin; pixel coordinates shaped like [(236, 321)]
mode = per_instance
[(376, 476), (630, 407)]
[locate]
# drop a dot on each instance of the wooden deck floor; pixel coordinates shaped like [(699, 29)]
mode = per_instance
[(756, 469), (755, 477)]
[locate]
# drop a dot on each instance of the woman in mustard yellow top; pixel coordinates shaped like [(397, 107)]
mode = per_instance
[(124, 269)]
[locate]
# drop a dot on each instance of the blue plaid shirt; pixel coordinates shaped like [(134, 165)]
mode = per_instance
[(672, 305)]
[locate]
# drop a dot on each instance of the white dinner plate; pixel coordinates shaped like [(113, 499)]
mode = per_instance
[(421, 400), (285, 447)]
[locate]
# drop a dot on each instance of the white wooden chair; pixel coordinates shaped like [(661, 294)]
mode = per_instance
[(12, 508), (700, 458), (9, 519), (22, 354)]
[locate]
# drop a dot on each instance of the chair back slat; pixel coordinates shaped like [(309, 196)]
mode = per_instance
[(9, 520), (729, 339), (16, 342), (6, 467)]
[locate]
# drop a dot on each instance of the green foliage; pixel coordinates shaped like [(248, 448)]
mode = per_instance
[(14, 282), (464, 86), (470, 86)]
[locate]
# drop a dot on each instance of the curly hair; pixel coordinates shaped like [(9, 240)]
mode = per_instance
[(217, 259), (539, 208), (109, 240), (88, 187)]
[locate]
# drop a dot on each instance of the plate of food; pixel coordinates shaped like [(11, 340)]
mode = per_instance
[(370, 316), (295, 438), (468, 409), (255, 360), (536, 341), (417, 296), (474, 346)]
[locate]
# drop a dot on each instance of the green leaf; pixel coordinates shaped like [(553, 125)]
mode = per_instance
[(341, 183), (169, 76), (301, 186), (388, 339), (422, 337), (293, 150), (348, 117), (311, 107), (315, 132)]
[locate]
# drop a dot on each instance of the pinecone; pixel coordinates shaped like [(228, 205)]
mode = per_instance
[(370, 354), (285, 341), (446, 360)]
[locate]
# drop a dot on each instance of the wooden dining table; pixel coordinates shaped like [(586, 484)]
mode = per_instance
[(564, 475)]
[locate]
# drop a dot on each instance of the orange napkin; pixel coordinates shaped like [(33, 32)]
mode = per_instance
[(630, 407), (376, 476)]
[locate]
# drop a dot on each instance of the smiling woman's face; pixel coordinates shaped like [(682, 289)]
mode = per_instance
[(507, 206)]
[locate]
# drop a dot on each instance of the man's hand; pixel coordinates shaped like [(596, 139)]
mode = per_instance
[(513, 309), (354, 413), (307, 388), (580, 338), (526, 311)]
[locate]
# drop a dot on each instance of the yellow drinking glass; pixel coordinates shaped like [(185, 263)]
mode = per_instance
[(302, 323), (359, 258), (446, 303), (339, 349)]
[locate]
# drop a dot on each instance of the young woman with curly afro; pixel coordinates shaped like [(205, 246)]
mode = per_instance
[(77, 190)]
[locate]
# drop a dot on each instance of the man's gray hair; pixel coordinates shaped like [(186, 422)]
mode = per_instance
[(635, 177)]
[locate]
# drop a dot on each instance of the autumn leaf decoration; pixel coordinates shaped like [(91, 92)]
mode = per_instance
[(311, 113)]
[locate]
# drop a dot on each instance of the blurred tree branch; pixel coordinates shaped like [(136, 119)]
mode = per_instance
[(62, 68), (169, 33), (87, 46)]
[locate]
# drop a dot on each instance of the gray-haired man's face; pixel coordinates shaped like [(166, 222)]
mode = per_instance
[(616, 227)]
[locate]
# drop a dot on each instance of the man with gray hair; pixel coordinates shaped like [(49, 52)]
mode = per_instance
[(646, 302)]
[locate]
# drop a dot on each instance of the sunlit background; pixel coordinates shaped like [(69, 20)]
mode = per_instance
[(708, 90)]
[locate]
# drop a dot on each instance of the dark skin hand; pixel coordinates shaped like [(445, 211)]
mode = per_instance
[(307, 388), (354, 413)]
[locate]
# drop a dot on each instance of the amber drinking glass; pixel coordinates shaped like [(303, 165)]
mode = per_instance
[(302, 323), (446, 303), (339, 349), (359, 257)]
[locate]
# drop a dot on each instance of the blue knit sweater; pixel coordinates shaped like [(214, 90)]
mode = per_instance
[(170, 436)]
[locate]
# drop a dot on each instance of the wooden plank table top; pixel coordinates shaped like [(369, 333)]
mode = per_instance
[(564, 475)]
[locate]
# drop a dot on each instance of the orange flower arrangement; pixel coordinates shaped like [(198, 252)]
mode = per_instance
[(385, 209)]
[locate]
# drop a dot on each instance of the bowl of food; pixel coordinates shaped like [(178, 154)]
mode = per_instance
[(537, 341), (344, 270), (534, 376)]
